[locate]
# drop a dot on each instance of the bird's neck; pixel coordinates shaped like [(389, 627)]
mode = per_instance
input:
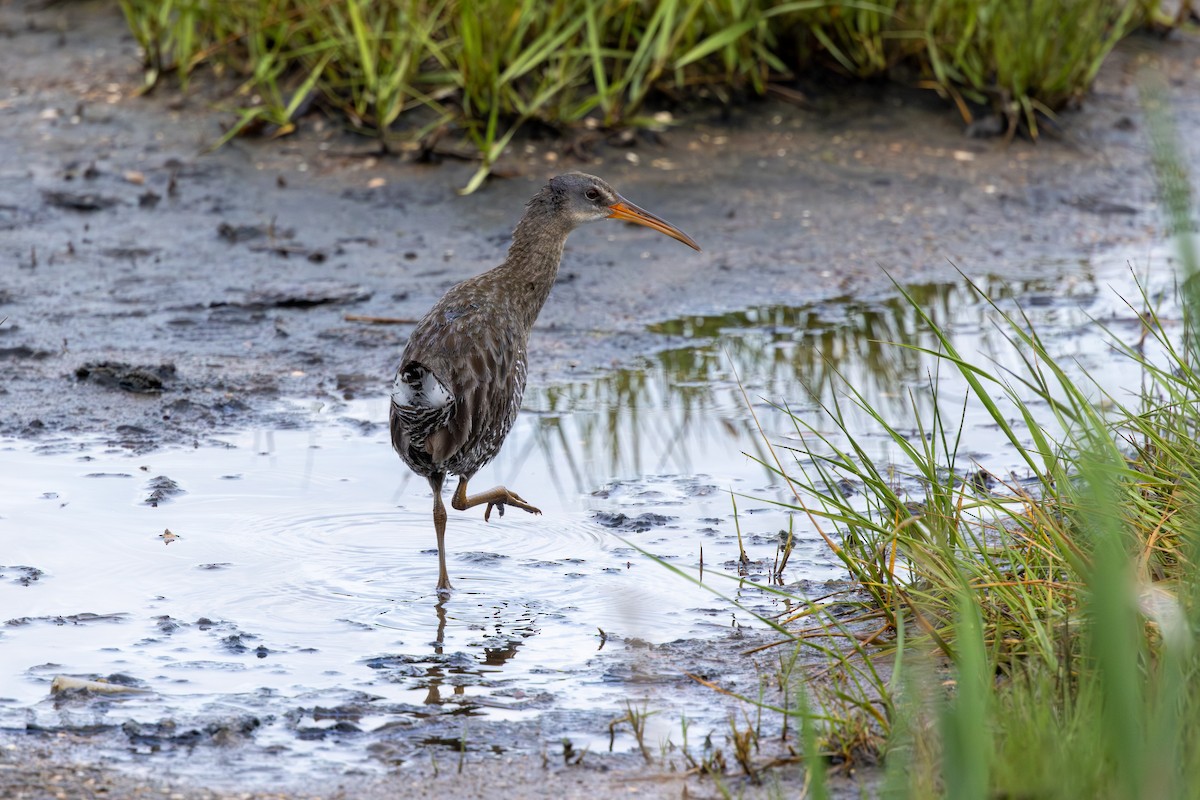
[(531, 267)]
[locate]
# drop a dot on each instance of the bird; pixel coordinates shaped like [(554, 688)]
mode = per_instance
[(462, 373)]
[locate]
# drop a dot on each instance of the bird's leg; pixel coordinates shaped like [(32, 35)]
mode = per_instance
[(498, 497), (439, 525)]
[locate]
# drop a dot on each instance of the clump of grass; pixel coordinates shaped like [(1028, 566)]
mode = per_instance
[(636, 718), (1036, 639), (1025, 60), (407, 71)]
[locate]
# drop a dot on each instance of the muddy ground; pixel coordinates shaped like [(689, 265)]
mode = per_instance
[(156, 294)]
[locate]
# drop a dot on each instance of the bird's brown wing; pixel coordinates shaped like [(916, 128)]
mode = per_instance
[(480, 361)]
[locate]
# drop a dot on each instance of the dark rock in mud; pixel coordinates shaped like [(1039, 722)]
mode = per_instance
[(121, 679), (79, 169), (397, 667), (79, 201), (168, 733), (245, 233), (162, 489), (316, 734), (72, 730), (183, 410), (134, 438), (338, 713), (639, 524), (23, 353), (126, 377), (21, 574), (234, 643), (480, 557), (130, 253), (1094, 204), (306, 295)]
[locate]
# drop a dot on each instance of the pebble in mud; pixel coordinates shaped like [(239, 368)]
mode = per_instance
[(126, 377)]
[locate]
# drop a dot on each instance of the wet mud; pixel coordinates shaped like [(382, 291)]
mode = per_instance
[(218, 578)]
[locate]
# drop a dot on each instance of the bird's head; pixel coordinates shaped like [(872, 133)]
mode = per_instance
[(585, 198)]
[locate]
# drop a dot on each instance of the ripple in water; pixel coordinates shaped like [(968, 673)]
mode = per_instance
[(303, 562)]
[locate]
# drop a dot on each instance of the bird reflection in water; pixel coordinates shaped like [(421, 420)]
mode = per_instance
[(443, 675)]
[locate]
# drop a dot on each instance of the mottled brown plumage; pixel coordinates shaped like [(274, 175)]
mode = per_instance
[(462, 375)]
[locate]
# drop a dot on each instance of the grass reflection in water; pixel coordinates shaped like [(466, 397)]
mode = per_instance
[(682, 411)]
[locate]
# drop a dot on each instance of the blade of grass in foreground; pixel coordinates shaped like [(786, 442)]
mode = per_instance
[(966, 733)]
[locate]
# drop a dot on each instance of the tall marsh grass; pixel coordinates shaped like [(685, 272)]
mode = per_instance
[(408, 70), (1037, 637)]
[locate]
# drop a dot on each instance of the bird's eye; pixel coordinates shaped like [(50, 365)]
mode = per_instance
[(592, 194)]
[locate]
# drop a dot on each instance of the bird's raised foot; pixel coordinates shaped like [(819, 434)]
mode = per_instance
[(509, 499)]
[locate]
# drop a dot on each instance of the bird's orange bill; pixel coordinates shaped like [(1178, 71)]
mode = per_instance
[(623, 209)]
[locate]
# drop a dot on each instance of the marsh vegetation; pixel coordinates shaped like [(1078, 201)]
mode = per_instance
[(1005, 634), (411, 71)]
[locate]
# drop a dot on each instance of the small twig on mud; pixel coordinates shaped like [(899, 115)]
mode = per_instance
[(789, 95), (462, 750), (380, 320), (710, 685)]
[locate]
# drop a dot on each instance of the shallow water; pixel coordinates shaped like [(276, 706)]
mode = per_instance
[(292, 603)]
